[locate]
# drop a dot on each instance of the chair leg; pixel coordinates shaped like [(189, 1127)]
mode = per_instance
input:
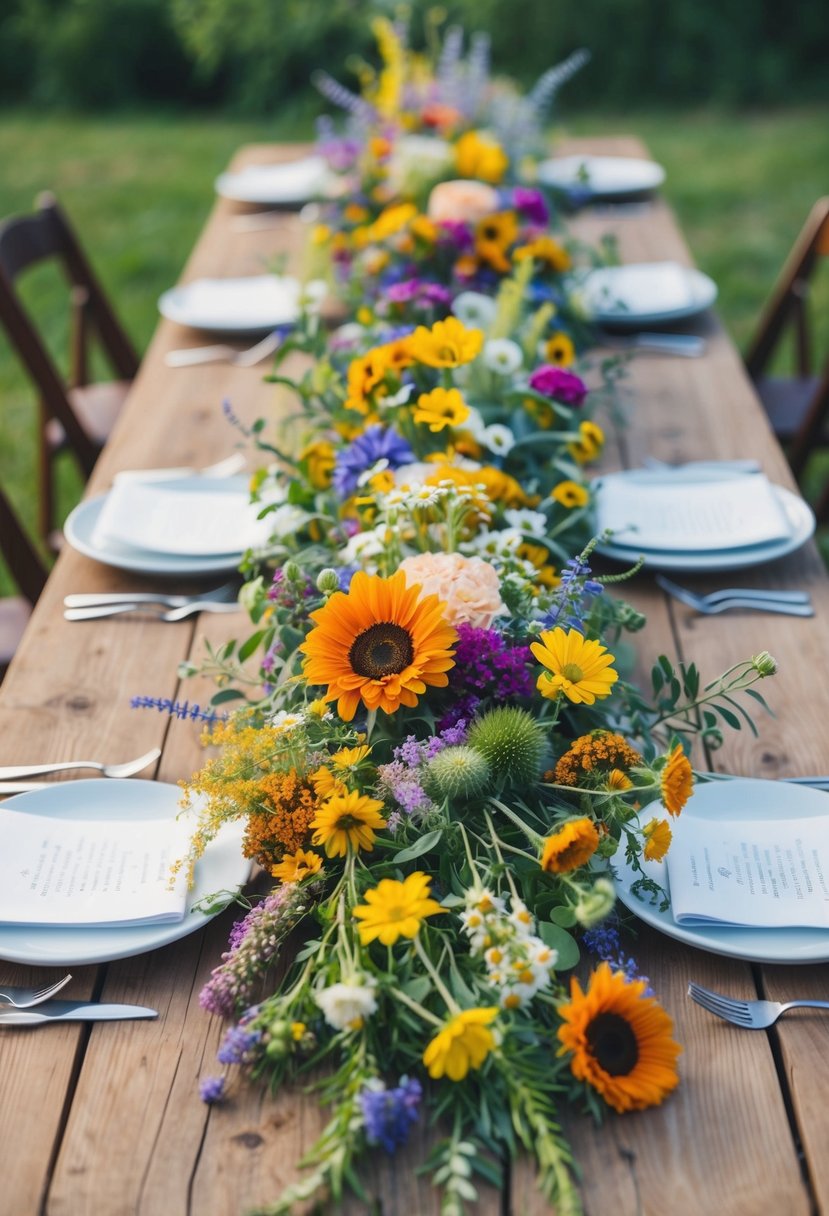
[(46, 476), (811, 430)]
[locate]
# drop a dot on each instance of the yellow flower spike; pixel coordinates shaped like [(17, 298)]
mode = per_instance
[(620, 1040), (347, 821), (462, 1044), (570, 847), (677, 781), (447, 344), (440, 408), (657, 839), (576, 667), (396, 909), (296, 866)]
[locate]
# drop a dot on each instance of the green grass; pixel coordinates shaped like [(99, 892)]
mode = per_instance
[(138, 189)]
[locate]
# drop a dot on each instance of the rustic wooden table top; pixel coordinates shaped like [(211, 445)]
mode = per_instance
[(106, 1120)]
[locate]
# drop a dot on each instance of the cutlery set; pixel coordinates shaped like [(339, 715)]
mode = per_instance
[(93, 605), (788, 603), (34, 1007)]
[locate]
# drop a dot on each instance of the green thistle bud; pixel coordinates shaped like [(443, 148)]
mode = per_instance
[(456, 772), (596, 904), (327, 581), (512, 742), (764, 664), (292, 573)]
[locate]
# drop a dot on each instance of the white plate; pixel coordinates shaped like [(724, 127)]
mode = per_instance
[(291, 183), (756, 800), (602, 176), (79, 530), (644, 294), (252, 305), (801, 520), (222, 868)]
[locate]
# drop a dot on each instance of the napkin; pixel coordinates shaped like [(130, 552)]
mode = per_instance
[(655, 287), (257, 302), (194, 517), (656, 511)]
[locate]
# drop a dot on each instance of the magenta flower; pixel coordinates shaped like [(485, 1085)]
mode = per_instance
[(558, 384), (532, 205)]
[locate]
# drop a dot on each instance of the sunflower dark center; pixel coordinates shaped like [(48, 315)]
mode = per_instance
[(383, 650), (613, 1044)]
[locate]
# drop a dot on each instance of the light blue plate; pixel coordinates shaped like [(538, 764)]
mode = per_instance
[(222, 868), (752, 799), (79, 530)]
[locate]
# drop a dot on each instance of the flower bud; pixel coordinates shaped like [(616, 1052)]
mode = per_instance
[(292, 573), (596, 904), (764, 664), (327, 581)]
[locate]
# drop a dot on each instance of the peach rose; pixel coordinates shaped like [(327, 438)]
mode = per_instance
[(462, 201), (468, 586)]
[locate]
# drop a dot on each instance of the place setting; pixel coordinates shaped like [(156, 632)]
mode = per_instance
[(642, 294), (585, 180)]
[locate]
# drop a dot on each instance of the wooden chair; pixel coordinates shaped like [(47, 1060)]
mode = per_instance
[(76, 414), (797, 406), (28, 572)]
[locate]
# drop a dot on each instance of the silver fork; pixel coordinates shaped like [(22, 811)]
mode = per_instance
[(190, 356), (790, 603), (12, 772), (97, 599), (175, 614), (26, 998), (750, 1015)]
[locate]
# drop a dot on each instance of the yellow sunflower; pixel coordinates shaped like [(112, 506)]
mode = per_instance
[(447, 344), (381, 643), (621, 1040), (547, 252), (364, 375), (579, 668), (440, 408), (570, 494), (478, 156), (464, 1042), (347, 821), (570, 847), (296, 866), (657, 839), (396, 909), (677, 781), (559, 349), (493, 236), (589, 443)]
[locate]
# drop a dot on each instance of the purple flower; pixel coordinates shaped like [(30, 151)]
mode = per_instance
[(603, 941), (558, 384), (532, 205), (402, 293), (575, 585), (177, 709), (389, 1114), (212, 1089), (238, 1045), (375, 443), (457, 234)]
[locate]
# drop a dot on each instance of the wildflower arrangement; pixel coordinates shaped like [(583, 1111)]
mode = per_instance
[(435, 750)]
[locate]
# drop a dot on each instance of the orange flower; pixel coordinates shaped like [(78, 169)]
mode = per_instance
[(677, 781), (570, 847)]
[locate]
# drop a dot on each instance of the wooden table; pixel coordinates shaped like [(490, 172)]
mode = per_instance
[(106, 1120)]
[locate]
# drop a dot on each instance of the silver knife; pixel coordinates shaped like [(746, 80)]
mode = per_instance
[(74, 1011)]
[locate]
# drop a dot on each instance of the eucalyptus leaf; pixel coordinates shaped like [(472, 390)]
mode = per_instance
[(561, 941)]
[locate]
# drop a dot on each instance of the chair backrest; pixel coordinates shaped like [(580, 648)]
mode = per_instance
[(24, 242), (787, 302), (20, 555)]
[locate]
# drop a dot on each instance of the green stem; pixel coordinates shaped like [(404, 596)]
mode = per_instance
[(451, 1004), (416, 1007)]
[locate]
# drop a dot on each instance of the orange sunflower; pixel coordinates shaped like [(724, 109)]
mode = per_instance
[(571, 846), (621, 1040), (677, 781), (381, 643)]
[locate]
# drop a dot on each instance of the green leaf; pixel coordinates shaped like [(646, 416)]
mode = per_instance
[(251, 645), (731, 718), (559, 939), (420, 847), (227, 694), (564, 916)]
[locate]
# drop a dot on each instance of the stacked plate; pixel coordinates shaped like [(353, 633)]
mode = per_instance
[(601, 177), (182, 527), (290, 184), (644, 294), (698, 519)]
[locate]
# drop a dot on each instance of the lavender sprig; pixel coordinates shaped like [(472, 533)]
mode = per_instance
[(178, 709)]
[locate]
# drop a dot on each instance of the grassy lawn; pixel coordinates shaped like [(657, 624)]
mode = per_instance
[(138, 189)]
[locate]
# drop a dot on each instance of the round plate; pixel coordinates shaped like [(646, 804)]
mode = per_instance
[(601, 176), (254, 305), (79, 530), (222, 868), (752, 799), (600, 297), (801, 520), (290, 183)]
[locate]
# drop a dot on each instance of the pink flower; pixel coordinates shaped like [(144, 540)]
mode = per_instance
[(558, 384), (461, 201), (467, 586)]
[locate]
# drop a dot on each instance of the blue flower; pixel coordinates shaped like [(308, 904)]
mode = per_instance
[(237, 1045), (389, 1114), (212, 1089), (375, 443)]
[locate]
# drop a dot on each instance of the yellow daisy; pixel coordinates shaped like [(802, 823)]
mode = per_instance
[(440, 408), (559, 349), (657, 839), (447, 344), (579, 668), (395, 909), (621, 1041), (347, 821), (677, 781), (464, 1042), (296, 866), (381, 643), (570, 494), (589, 443), (570, 847)]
